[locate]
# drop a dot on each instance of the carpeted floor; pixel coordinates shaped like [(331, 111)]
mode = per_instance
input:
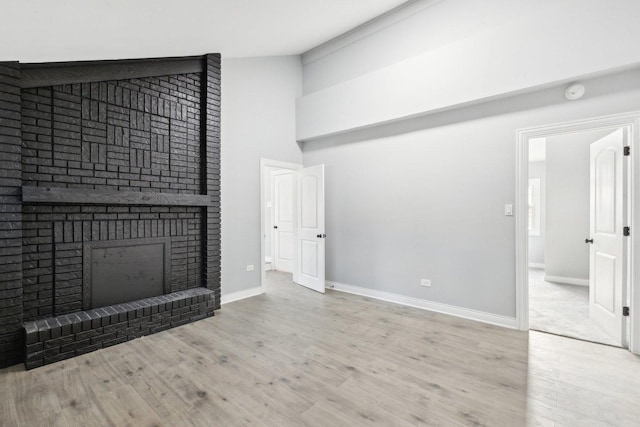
[(562, 309)]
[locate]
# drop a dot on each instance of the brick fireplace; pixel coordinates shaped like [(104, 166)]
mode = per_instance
[(110, 214)]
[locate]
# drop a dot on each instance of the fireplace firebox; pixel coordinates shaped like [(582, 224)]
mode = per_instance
[(117, 271)]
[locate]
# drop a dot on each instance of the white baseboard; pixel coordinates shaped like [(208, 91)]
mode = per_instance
[(567, 280), (536, 265), (466, 313), (235, 296)]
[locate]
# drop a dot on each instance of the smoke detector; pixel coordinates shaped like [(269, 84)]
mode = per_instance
[(575, 91)]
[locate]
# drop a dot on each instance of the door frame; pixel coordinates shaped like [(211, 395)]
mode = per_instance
[(629, 121), (264, 164)]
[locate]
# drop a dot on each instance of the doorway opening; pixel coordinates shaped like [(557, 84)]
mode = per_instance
[(285, 171), (280, 213), (564, 298), (292, 226), (576, 195)]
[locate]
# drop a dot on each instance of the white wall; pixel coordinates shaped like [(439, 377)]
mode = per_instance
[(536, 243), (258, 120), (424, 198), (567, 204), (531, 45)]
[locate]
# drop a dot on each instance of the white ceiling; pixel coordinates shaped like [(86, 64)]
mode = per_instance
[(64, 30)]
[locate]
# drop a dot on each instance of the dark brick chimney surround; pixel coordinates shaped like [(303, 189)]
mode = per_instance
[(109, 202)]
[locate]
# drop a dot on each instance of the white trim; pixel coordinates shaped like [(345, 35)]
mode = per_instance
[(264, 163), (566, 280), (534, 184), (538, 265), (360, 32), (630, 121), (522, 232), (236, 296), (465, 313)]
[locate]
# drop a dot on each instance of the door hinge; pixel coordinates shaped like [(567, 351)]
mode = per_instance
[(626, 231), (627, 150), (625, 311)]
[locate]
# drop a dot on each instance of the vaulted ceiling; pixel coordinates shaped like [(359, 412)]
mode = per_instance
[(45, 30)]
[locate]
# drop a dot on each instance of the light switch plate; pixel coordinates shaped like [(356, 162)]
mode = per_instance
[(508, 210)]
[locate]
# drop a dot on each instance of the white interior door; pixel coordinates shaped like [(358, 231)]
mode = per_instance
[(311, 232), (607, 261), (283, 220)]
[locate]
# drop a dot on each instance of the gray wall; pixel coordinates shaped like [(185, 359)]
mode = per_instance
[(536, 243), (567, 207), (258, 120), (424, 198)]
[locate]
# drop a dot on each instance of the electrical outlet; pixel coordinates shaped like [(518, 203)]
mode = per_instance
[(249, 267), (425, 282)]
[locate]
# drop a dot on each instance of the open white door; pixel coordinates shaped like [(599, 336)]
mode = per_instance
[(283, 232), (607, 261), (311, 234)]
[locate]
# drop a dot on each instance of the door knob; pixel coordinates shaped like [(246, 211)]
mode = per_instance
[(275, 226), (588, 240), (319, 236), (324, 236)]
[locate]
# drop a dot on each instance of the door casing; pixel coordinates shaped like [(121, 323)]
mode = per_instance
[(631, 123)]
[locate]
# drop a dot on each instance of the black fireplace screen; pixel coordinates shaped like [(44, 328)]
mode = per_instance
[(117, 271)]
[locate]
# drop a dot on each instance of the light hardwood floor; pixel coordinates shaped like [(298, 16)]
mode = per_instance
[(295, 357)]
